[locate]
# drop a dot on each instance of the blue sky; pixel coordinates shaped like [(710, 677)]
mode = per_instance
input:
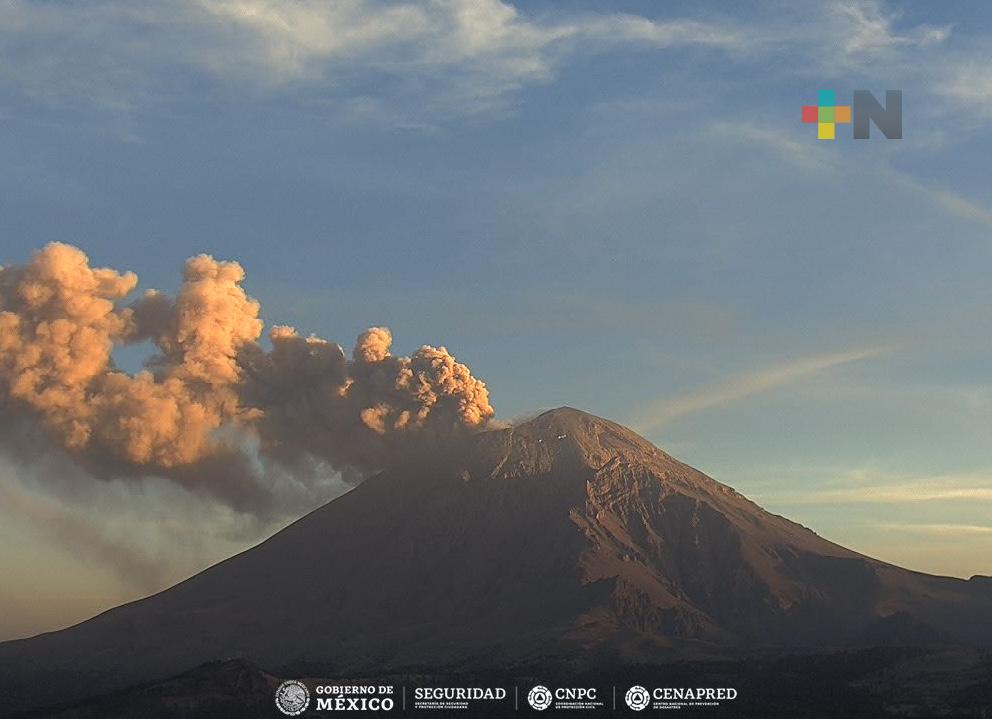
[(613, 206)]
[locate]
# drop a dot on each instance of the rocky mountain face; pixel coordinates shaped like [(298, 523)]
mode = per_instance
[(565, 538)]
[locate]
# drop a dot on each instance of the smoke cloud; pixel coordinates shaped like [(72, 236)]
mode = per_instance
[(213, 403)]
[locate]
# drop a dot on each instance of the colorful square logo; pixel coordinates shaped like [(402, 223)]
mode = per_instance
[(826, 114)]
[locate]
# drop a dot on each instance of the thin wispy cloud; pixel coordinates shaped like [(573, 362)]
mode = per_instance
[(947, 200), (748, 384), (814, 158), (866, 487), (902, 494), (948, 530), (808, 156)]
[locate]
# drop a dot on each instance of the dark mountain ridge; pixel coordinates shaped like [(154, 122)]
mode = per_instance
[(567, 537)]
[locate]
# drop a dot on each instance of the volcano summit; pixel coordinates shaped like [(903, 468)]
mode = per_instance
[(559, 539)]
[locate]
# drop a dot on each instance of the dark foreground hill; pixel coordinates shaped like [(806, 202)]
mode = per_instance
[(564, 540)]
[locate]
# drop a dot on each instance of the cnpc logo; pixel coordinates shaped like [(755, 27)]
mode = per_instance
[(826, 114)]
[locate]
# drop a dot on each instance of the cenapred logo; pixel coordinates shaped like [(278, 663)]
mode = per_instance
[(638, 698), (292, 698), (865, 109)]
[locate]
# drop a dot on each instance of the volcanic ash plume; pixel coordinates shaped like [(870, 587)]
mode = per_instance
[(212, 387)]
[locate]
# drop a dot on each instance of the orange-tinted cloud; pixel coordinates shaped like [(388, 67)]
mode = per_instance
[(212, 387)]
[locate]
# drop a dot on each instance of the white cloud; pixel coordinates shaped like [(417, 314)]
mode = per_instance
[(457, 55), (440, 33), (868, 28), (968, 83), (433, 57), (477, 51)]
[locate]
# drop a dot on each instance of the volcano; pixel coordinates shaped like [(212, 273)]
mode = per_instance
[(563, 538)]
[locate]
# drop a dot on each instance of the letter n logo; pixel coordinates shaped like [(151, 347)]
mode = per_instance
[(888, 119)]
